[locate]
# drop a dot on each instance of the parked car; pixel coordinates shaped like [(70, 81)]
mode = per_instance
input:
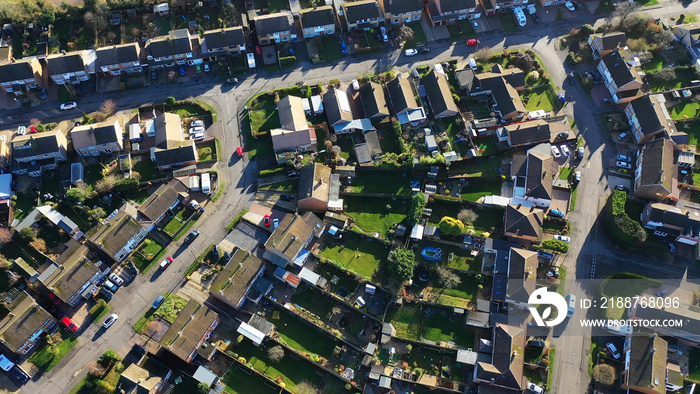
[(287, 197), (565, 150), (191, 236), (569, 6), (68, 105), (206, 67), (44, 95), (423, 50), (556, 213), (54, 299), (239, 151), (535, 18), (275, 223), (535, 388), (132, 268), (606, 101), (197, 136), (266, 220), (555, 151), (577, 176), (110, 320), (613, 350), (670, 245), (411, 52), (258, 50), (624, 158), (215, 252), (580, 152), (232, 81), (158, 301), (106, 293), (138, 349), (622, 188), (625, 165), (166, 263), (116, 279), (18, 374), (182, 71), (536, 344), (562, 238), (355, 85), (472, 42), (70, 324), (563, 135), (475, 24), (111, 286), (343, 47), (197, 123), (622, 136), (198, 69), (21, 130), (292, 174)]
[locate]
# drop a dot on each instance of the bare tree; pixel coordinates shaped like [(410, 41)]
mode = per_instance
[(483, 53), (447, 278), (95, 20), (275, 353), (105, 185), (306, 387), (405, 33), (467, 216), (108, 107), (623, 10)]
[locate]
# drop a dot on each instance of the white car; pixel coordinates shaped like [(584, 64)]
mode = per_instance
[(355, 84), (623, 158), (565, 150), (411, 52), (196, 123), (613, 350), (22, 130), (569, 6), (68, 105), (116, 279), (535, 388), (625, 165), (197, 136), (577, 176), (562, 238), (195, 130), (555, 151), (110, 320), (251, 60), (531, 9), (206, 67)]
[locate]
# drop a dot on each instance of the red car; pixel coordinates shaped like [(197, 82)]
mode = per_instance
[(166, 263), (239, 151), (266, 220), (258, 50), (54, 299), (473, 42), (70, 324)]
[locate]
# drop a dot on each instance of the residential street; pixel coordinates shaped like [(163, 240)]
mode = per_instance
[(590, 256)]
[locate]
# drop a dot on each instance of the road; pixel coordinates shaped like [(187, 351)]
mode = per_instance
[(590, 253)]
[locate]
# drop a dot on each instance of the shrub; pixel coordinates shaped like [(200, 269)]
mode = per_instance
[(402, 264), (604, 374), (416, 211), (28, 234), (126, 184), (287, 60), (451, 226), (555, 245), (170, 101)]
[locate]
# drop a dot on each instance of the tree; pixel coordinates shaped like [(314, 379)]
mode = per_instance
[(405, 33), (95, 20), (447, 278), (276, 353), (105, 185), (483, 53), (108, 107), (416, 210), (467, 216), (170, 101), (586, 30), (451, 226), (103, 387), (623, 10), (524, 61), (402, 264), (28, 234), (76, 194), (604, 374), (203, 388), (126, 184), (97, 213), (306, 387), (47, 17)]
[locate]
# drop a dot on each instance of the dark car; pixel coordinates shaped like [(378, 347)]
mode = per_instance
[(132, 268), (154, 75), (43, 94), (191, 236), (232, 81), (106, 293), (215, 253), (535, 18), (54, 299), (292, 174), (536, 344), (622, 188), (18, 374), (287, 197), (182, 71), (423, 50), (606, 101)]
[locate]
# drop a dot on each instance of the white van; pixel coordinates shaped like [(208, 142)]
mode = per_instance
[(206, 183), (570, 305), (617, 329), (251, 60), (472, 63), (5, 363), (519, 16)]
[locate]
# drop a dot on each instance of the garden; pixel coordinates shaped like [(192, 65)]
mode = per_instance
[(240, 380), (453, 256), (53, 350), (345, 285), (147, 254), (208, 150), (541, 97), (168, 311), (356, 254), (406, 320), (481, 188), (375, 215), (671, 78), (314, 301), (624, 285), (383, 182), (300, 336), (486, 167), (462, 295), (439, 328)]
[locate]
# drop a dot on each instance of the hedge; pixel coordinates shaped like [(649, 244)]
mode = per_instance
[(288, 60), (555, 245)]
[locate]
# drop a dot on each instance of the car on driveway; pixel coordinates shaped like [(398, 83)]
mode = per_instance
[(197, 123), (472, 42), (110, 320), (239, 151), (70, 324), (18, 374), (232, 81), (423, 50), (275, 223), (580, 152), (613, 350), (132, 268), (343, 47), (68, 105), (555, 151), (562, 238), (606, 101), (535, 388), (569, 6), (577, 176), (624, 165), (111, 286), (158, 301), (411, 52), (54, 299), (191, 236), (166, 263), (106, 293), (535, 18), (116, 279), (182, 71), (536, 344), (206, 67), (624, 158), (475, 24), (287, 197), (622, 188), (258, 50), (622, 136), (266, 220), (565, 150)]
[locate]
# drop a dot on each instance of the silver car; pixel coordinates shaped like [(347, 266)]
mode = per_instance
[(110, 320)]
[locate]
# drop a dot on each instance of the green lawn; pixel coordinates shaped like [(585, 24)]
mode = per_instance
[(622, 288), (462, 30), (45, 360), (406, 321), (264, 120), (489, 220), (167, 311), (243, 381), (331, 48), (460, 296), (461, 259), (371, 214), (186, 110), (284, 186), (290, 369), (685, 110), (565, 173), (419, 36), (689, 18), (655, 64), (478, 189), (486, 146), (176, 222), (257, 147), (543, 98), (300, 336), (487, 167), (386, 182), (345, 281), (314, 302), (147, 169), (207, 150), (693, 131), (437, 327), (508, 22), (572, 202), (370, 253), (646, 3), (683, 78)]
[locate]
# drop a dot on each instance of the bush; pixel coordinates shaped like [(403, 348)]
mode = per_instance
[(97, 308), (170, 101), (76, 194), (126, 184), (288, 60), (451, 226), (402, 264), (604, 374), (618, 202), (555, 245), (28, 234), (416, 211), (629, 227)]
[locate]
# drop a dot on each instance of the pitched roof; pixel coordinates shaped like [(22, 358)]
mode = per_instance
[(117, 54), (438, 91), (135, 376), (513, 76), (111, 235), (238, 275), (647, 364), (360, 10), (612, 40), (36, 144), (657, 163), (75, 271), (274, 23), (291, 112), (168, 130), (618, 68), (62, 64), (189, 329), (337, 106), (373, 101), (401, 95), (158, 203), (19, 70), (539, 172), (397, 7), (176, 42), (96, 134), (291, 235), (524, 222), (652, 115), (175, 156), (319, 16), (522, 274), (443, 10), (506, 97), (314, 182), (25, 319), (528, 132), (223, 38), (668, 215), (506, 367)]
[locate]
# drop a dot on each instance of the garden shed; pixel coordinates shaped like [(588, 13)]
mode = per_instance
[(430, 143), (251, 333), (417, 232)]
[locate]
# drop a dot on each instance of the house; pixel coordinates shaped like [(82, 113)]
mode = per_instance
[(654, 177), (360, 15), (70, 68), (648, 118), (21, 329), (523, 224), (439, 96), (275, 28), (174, 48), (117, 59), (295, 134), (225, 41), (117, 236), (319, 190), (403, 102), (399, 12), (519, 135), (144, 380), (689, 35), (287, 242), (687, 333), (56, 218), (181, 156), (159, 205), (602, 44), (679, 223), (522, 275), (621, 79), (5, 157), (645, 358), (72, 276), (502, 368), (189, 330), (337, 106), (234, 281), (5, 54), (501, 86), (373, 101), (319, 21), (168, 130), (532, 175), (442, 12), (19, 76), (34, 153), (97, 139)]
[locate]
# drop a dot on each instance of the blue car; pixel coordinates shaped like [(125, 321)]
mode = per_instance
[(343, 47), (556, 213), (182, 71)]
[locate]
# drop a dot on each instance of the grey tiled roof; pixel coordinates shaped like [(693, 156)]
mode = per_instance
[(117, 54), (62, 64)]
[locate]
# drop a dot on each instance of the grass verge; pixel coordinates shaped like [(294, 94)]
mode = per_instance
[(45, 359)]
